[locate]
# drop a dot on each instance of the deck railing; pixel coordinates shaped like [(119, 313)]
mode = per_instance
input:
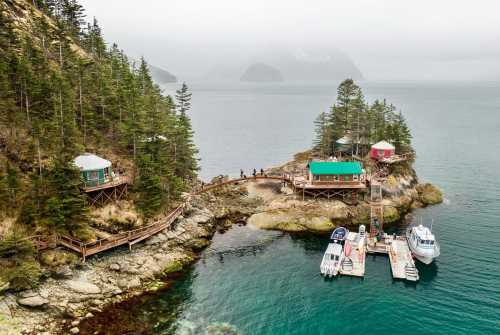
[(108, 182)]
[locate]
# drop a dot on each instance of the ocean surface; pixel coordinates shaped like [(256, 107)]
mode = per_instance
[(264, 282)]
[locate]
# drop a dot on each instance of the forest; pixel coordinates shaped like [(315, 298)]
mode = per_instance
[(362, 123), (63, 92)]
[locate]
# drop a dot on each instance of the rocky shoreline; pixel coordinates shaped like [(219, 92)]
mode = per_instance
[(72, 295)]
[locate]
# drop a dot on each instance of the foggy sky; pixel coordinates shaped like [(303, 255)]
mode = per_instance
[(386, 39)]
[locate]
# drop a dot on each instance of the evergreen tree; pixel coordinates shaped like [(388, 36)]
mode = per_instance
[(323, 138), (66, 207), (185, 149), (364, 124), (183, 98), (62, 92)]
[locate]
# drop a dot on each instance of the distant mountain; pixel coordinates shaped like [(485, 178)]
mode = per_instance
[(323, 63), (260, 72), (316, 65), (161, 76)]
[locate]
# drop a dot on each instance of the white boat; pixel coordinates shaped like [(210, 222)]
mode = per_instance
[(422, 243), (332, 260)]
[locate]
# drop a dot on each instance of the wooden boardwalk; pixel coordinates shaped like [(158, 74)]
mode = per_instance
[(137, 235)]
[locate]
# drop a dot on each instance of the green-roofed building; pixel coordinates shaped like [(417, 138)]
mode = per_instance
[(335, 173)]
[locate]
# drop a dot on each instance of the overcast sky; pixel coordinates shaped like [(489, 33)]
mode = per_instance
[(386, 39)]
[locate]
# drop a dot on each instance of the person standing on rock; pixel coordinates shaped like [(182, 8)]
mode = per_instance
[(241, 173), (254, 173), (261, 172)]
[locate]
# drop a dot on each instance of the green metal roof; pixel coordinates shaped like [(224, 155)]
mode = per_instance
[(319, 168)]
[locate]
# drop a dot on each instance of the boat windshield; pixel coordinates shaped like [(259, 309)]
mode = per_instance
[(427, 242)]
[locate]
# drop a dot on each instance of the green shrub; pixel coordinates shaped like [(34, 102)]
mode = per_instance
[(24, 275)]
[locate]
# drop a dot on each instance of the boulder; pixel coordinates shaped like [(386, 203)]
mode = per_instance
[(114, 267), (34, 301), (429, 194), (172, 266), (129, 283), (74, 330), (83, 287), (198, 243), (62, 272)]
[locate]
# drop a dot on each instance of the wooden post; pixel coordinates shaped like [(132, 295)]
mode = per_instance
[(303, 192)]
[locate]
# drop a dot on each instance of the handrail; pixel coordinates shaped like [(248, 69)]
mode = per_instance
[(130, 236)]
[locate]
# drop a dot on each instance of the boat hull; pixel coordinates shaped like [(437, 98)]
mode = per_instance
[(423, 259)]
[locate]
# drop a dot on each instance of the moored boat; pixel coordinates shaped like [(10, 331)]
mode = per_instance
[(332, 260), (334, 254), (339, 235), (422, 243)]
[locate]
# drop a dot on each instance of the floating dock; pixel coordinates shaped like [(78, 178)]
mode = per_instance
[(400, 257), (396, 247)]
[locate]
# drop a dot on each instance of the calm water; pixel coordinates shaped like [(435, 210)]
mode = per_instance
[(255, 282)]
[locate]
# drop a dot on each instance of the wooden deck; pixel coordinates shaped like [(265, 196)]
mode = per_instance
[(396, 158), (116, 181), (301, 182)]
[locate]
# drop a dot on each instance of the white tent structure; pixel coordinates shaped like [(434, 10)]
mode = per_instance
[(382, 149)]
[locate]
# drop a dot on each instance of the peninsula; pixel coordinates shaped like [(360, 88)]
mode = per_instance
[(100, 199)]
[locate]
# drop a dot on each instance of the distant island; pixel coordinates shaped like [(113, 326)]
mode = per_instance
[(260, 72), (161, 76)]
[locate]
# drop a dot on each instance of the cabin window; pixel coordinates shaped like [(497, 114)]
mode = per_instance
[(381, 152), (355, 177), (336, 178), (106, 172), (316, 177), (346, 178), (93, 175), (431, 242)]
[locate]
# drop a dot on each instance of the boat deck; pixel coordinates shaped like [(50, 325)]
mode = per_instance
[(356, 266)]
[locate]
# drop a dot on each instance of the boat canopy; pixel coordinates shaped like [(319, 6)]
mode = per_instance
[(423, 233), (333, 249), (339, 233)]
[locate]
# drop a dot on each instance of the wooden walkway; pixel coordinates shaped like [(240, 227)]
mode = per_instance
[(137, 235)]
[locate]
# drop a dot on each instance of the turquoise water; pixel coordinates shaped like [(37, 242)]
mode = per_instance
[(258, 282)]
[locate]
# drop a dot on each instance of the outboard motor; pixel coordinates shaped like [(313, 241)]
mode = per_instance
[(362, 231)]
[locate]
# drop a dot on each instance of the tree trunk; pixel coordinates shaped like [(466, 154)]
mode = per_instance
[(61, 114)]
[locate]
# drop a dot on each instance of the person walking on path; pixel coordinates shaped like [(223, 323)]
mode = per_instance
[(241, 173), (254, 173), (261, 171)]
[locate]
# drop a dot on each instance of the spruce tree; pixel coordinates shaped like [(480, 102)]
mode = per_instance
[(66, 209)]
